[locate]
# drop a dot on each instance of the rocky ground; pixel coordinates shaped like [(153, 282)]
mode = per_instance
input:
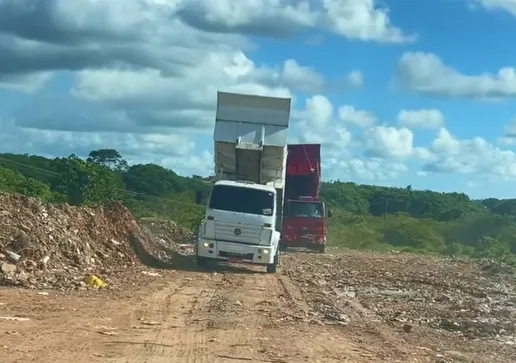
[(448, 305)]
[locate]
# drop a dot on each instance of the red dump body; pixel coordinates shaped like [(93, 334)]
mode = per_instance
[(304, 215), (303, 171)]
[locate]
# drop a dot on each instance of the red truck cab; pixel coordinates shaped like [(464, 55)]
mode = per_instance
[(304, 215)]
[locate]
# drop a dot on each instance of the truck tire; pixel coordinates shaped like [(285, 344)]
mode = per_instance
[(321, 248), (272, 267), (282, 247)]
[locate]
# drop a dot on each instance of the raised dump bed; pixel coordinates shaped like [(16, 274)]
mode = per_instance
[(250, 138), (303, 171)]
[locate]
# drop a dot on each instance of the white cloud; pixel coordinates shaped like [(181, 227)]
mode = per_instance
[(349, 114), (299, 77), (362, 19), (427, 73), (354, 19), (445, 143), (470, 156), (423, 118), (145, 75), (504, 5), (318, 112), (384, 142), (316, 123), (189, 100)]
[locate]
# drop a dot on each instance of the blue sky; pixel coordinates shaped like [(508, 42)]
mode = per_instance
[(424, 98)]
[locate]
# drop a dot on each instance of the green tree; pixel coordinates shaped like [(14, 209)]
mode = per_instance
[(85, 182), (110, 158)]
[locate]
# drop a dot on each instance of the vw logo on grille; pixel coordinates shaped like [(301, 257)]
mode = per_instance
[(237, 231)]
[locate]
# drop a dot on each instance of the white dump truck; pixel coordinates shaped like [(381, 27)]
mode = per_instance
[(244, 211)]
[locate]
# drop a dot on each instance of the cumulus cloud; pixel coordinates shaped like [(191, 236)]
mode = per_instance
[(354, 19), (470, 156), (364, 20), (384, 141), (423, 118), (316, 122), (146, 71), (350, 115), (427, 73), (144, 76)]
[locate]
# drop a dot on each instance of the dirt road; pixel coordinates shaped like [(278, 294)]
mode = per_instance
[(187, 317), (230, 315)]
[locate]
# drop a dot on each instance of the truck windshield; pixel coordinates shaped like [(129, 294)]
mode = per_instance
[(242, 200), (304, 209)]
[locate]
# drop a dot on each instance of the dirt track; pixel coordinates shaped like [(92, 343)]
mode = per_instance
[(231, 315), (221, 317)]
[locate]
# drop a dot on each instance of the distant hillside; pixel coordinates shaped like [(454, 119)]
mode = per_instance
[(154, 180), (365, 216)]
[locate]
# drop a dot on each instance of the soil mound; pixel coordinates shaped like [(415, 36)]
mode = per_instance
[(57, 246)]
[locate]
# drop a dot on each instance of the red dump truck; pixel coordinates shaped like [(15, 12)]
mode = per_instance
[(304, 214)]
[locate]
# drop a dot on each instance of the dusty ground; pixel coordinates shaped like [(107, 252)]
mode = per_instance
[(318, 308)]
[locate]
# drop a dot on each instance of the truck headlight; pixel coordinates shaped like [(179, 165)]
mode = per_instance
[(265, 252), (205, 244)]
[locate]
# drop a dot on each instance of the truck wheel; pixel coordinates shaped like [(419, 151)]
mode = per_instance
[(272, 267), (282, 247), (321, 248)]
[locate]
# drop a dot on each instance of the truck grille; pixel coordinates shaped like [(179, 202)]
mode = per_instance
[(248, 233), (244, 256), (305, 231)]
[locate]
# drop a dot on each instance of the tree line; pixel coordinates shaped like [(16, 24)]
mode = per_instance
[(365, 216)]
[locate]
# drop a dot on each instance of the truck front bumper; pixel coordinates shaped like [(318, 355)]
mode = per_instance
[(236, 252), (299, 241)]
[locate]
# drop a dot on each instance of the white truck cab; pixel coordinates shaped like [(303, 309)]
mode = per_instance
[(244, 212), (240, 225)]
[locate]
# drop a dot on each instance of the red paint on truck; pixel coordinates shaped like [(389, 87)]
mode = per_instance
[(304, 215)]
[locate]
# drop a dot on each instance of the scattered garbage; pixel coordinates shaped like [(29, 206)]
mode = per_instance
[(150, 273), (13, 318), (409, 290), (94, 282)]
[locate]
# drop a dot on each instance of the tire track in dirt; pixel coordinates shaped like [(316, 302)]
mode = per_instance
[(159, 330)]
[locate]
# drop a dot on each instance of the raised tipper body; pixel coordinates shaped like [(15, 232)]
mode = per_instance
[(305, 216)]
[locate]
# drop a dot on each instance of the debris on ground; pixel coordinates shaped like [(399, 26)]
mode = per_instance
[(471, 300), (50, 246), (169, 235)]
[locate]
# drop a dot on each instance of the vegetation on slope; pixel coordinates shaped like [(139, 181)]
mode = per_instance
[(365, 216)]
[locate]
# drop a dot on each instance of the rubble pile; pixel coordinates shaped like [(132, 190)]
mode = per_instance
[(473, 299), (169, 235), (57, 246)]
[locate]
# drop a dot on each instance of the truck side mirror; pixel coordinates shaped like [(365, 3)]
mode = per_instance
[(330, 213), (198, 197)]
